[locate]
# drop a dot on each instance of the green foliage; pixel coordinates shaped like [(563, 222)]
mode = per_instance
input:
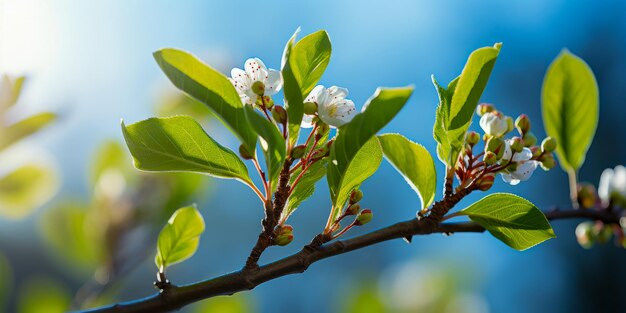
[(15, 132), (43, 295), (6, 282), (352, 137), (512, 219), (10, 90), (304, 64), (110, 155), (366, 299), (180, 144), (208, 86), (306, 186), (237, 303), (570, 104), (179, 239), (271, 141), (415, 164), (25, 189), (458, 102)]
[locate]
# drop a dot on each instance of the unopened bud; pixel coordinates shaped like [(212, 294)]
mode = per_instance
[(483, 108), (353, 209), (536, 151), (547, 161), (548, 144), (284, 239), (298, 152), (279, 114), (490, 158), (585, 235), (258, 88), (517, 144), (364, 217), (486, 181), (310, 108), (356, 196), (523, 124), (586, 195), (603, 232), (529, 139), (495, 145), (244, 153), (472, 138), (509, 124)]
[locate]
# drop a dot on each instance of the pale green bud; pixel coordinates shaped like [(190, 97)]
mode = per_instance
[(472, 138), (495, 145), (364, 217), (529, 139), (523, 124), (517, 144), (548, 144)]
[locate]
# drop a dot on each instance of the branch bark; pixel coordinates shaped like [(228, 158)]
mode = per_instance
[(176, 297)]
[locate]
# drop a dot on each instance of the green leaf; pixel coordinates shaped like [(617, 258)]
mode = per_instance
[(110, 155), (26, 127), (364, 164), (236, 303), (512, 219), (305, 187), (570, 104), (458, 103), (10, 90), (272, 144), (377, 112), (25, 189), (180, 144), (414, 163), (208, 86), (43, 295), (305, 62), (179, 239)]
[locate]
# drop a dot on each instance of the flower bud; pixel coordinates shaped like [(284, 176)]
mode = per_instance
[(279, 114), (603, 232), (483, 108), (244, 153), (585, 235), (490, 158), (523, 124), (510, 125), (486, 181), (548, 144), (310, 108), (586, 195), (353, 209), (536, 151), (547, 161), (364, 217), (297, 152), (472, 138), (356, 196), (283, 239), (495, 145), (529, 139), (517, 144), (258, 88), (284, 229), (494, 124)]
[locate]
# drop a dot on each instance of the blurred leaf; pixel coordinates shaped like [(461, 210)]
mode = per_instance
[(182, 188), (110, 155), (25, 189), (570, 104), (271, 141), (414, 162), (237, 303), (458, 102), (74, 234), (176, 103), (363, 300), (305, 62), (26, 127), (208, 86), (6, 282), (179, 239), (10, 90), (180, 144), (305, 187), (377, 112), (43, 295), (512, 219)]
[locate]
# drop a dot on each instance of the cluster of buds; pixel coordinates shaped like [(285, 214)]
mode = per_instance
[(590, 233), (515, 158), (283, 235), (362, 216)]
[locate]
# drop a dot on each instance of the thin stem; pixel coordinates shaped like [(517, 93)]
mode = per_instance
[(256, 190), (266, 186), (573, 187)]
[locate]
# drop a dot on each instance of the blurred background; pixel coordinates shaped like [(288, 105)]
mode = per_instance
[(83, 232)]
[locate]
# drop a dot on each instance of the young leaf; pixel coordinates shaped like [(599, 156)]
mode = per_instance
[(10, 90), (376, 113), (179, 239), (414, 163), (512, 219), (25, 189), (24, 128), (208, 86), (180, 144), (305, 187), (271, 141), (441, 120), (570, 108), (305, 62)]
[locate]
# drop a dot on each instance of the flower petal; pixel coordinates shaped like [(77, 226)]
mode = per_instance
[(274, 82), (313, 95), (307, 121)]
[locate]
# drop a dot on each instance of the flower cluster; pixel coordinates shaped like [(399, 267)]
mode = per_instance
[(515, 158)]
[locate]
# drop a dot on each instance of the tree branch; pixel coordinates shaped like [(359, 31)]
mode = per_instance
[(176, 297)]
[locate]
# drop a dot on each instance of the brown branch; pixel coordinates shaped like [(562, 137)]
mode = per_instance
[(175, 298)]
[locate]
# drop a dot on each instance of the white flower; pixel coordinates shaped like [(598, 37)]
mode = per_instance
[(255, 71), (613, 184), (332, 106), (494, 123), (525, 166)]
